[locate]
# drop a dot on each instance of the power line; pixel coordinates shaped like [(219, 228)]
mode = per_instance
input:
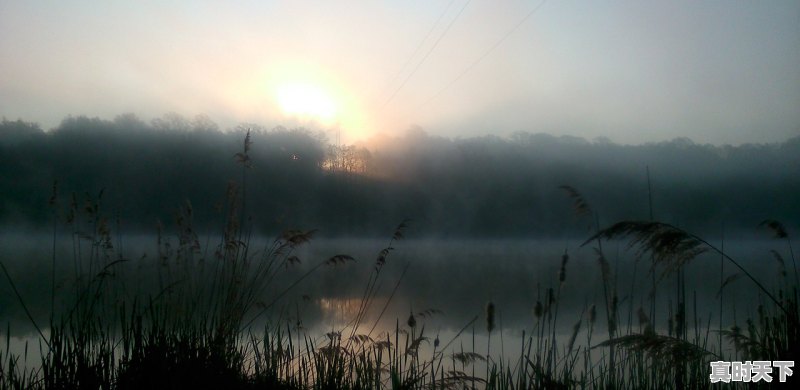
[(485, 54), (427, 54), (421, 43)]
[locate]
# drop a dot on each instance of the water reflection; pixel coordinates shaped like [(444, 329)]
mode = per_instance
[(451, 280)]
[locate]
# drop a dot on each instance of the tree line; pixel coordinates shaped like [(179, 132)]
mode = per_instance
[(487, 186)]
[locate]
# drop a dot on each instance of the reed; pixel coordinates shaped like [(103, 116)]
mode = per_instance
[(213, 318)]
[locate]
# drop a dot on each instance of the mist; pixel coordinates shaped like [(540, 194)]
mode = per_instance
[(475, 187), (327, 237)]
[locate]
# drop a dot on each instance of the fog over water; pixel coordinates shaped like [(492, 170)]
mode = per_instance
[(454, 279), (487, 219)]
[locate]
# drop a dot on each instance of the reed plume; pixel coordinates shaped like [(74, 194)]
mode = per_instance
[(669, 246), (777, 228), (660, 348), (579, 203), (490, 317)]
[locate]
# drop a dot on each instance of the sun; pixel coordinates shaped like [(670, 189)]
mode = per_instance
[(306, 101), (299, 93)]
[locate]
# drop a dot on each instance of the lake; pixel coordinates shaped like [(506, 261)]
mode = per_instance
[(447, 284)]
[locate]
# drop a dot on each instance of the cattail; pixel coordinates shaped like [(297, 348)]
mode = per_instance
[(562, 273), (612, 319), (537, 310), (575, 329), (549, 300), (412, 322), (490, 317), (592, 314), (436, 342)]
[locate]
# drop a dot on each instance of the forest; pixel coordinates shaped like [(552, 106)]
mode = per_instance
[(492, 186)]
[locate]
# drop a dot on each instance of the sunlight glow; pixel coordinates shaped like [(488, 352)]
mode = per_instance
[(306, 100), (294, 93)]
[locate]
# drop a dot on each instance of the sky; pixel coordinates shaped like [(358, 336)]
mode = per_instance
[(721, 72)]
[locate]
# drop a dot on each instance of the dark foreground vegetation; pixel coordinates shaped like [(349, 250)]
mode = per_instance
[(209, 324)]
